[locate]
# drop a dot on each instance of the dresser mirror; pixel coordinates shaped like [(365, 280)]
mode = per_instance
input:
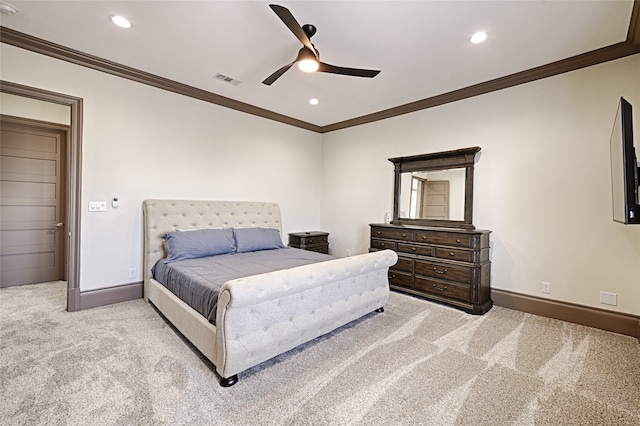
[(435, 189)]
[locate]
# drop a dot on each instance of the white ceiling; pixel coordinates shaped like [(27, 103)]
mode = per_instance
[(421, 47)]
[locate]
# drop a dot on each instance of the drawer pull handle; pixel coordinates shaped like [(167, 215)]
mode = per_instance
[(451, 253), (413, 249), (458, 241), (439, 272), (440, 288), (424, 237), (381, 244), (404, 235), (378, 233)]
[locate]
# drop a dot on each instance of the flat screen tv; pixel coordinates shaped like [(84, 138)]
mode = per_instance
[(624, 167)]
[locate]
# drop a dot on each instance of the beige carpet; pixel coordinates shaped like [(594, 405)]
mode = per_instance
[(416, 363)]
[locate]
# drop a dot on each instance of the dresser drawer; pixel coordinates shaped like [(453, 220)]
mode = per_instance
[(403, 264), (454, 254), (446, 272), (383, 244), (449, 290), (400, 279), (415, 249), (447, 239), (392, 234)]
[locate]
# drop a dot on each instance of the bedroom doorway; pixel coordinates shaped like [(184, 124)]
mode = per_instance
[(72, 172), (32, 178)]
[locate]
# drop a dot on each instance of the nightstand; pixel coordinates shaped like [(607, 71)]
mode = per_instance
[(312, 241)]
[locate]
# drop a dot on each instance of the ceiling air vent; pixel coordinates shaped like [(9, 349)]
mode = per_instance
[(226, 79)]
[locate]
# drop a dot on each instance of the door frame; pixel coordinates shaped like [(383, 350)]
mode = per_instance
[(73, 196)]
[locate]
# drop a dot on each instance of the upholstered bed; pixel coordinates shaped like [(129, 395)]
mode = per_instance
[(260, 316)]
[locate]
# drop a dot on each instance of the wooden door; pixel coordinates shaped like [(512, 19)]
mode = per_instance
[(32, 179), (435, 199)]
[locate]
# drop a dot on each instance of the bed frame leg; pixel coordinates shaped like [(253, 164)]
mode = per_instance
[(380, 309), (229, 381)]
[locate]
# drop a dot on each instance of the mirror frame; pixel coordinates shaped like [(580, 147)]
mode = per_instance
[(459, 158)]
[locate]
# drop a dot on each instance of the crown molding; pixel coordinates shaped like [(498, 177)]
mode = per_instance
[(633, 34), (605, 54), (44, 47), (630, 46)]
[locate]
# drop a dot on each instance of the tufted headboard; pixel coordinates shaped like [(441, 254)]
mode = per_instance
[(162, 216)]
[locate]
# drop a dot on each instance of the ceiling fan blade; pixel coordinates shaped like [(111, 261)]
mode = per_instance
[(276, 75), (356, 72), (285, 15)]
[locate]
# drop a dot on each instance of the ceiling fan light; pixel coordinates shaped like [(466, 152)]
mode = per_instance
[(308, 65)]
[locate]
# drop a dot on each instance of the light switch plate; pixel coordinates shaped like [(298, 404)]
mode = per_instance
[(97, 206)]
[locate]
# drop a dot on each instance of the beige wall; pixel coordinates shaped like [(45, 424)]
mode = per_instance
[(542, 181), (542, 177), (19, 106), (140, 142)]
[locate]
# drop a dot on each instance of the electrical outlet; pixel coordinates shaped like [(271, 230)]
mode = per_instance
[(607, 298), (546, 287), (132, 273), (348, 252)]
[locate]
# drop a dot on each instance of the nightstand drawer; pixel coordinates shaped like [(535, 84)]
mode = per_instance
[(314, 241), (308, 238), (311, 241), (318, 249)]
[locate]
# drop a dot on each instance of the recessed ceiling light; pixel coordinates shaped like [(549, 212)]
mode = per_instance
[(314, 101), (478, 37), (7, 9), (120, 21)]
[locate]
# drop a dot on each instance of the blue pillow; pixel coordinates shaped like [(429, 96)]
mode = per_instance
[(254, 239), (198, 243)]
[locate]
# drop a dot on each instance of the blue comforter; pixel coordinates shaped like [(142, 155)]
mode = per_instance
[(198, 281)]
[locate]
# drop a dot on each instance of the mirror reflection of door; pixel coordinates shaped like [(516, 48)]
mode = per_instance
[(32, 165), (433, 194), (431, 198), (435, 199)]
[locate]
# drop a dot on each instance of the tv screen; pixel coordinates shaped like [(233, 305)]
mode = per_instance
[(624, 167)]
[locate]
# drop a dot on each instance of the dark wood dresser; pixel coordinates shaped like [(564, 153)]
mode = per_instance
[(312, 241), (447, 265)]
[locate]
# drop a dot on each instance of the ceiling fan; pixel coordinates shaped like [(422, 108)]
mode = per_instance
[(308, 57)]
